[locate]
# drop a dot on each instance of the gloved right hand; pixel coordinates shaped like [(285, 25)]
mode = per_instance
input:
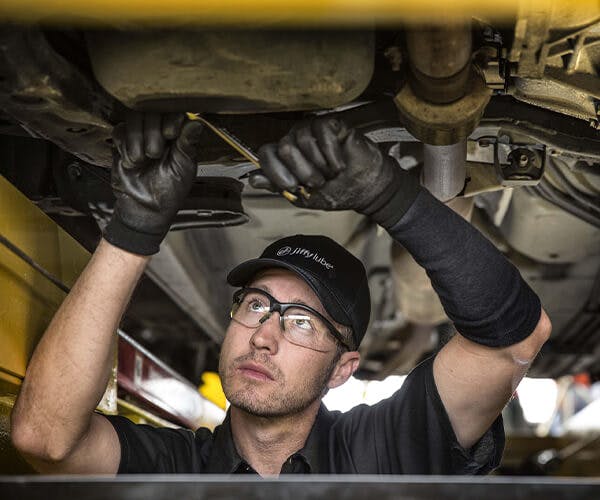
[(153, 170)]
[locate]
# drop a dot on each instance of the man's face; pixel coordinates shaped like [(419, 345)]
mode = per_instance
[(264, 374)]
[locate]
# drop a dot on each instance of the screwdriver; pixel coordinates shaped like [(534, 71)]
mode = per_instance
[(242, 149)]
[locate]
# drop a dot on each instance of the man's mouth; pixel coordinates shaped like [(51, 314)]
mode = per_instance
[(255, 371)]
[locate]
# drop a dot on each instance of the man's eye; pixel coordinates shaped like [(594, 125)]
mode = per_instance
[(301, 322), (256, 306)]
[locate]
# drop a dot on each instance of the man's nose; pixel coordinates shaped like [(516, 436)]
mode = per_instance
[(267, 334)]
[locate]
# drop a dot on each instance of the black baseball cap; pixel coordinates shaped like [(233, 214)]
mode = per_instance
[(337, 277)]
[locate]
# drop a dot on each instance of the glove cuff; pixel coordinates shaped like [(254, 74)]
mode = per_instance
[(397, 197), (120, 235)]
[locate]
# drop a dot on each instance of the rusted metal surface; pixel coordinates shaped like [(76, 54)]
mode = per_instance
[(232, 71), (51, 98), (444, 124), (555, 58), (439, 60)]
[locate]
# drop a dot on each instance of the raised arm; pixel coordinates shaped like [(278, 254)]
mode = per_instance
[(501, 323), (53, 423)]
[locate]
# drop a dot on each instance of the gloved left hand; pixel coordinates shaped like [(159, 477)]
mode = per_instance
[(153, 171), (340, 168)]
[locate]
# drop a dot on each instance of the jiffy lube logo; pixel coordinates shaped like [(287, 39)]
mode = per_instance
[(307, 254)]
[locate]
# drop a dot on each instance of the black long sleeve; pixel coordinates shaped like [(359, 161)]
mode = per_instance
[(480, 290)]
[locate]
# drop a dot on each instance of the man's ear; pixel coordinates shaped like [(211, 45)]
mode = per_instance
[(345, 367)]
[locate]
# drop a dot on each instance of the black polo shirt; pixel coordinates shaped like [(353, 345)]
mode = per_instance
[(408, 433)]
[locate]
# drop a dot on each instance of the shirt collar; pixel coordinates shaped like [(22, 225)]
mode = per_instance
[(316, 449), (224, 458)]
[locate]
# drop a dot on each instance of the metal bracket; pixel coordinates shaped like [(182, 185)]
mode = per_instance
[(518, 164)]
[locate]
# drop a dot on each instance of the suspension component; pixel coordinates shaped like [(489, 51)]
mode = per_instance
[(442, 102)]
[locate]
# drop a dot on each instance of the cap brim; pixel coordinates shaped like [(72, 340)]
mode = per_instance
[(244, 272)]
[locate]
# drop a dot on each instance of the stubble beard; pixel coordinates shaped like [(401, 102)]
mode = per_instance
[(281, 400)]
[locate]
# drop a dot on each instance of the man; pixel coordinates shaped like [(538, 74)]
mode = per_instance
[(297, 321)]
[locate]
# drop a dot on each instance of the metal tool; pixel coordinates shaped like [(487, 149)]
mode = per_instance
[(242, 149)]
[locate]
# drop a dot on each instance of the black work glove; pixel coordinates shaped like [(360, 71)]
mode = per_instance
[(341, 170), (153, 170)]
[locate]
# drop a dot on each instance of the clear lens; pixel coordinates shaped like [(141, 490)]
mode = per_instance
[(251, 309), (300, 326), (304, 328)]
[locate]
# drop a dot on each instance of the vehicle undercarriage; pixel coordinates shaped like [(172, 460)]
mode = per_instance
[(501, 119)]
